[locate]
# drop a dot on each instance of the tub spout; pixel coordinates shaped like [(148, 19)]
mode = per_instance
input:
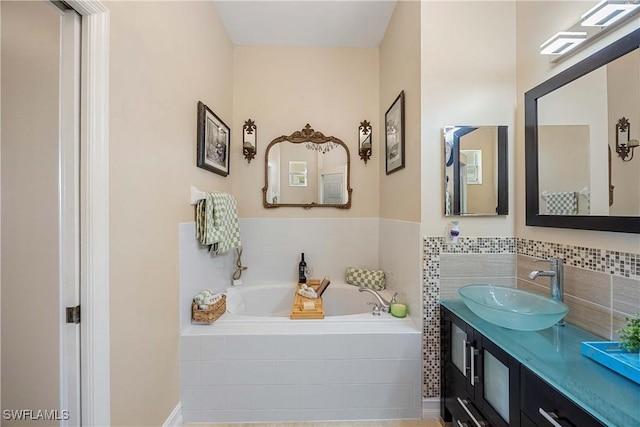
[(384, 304)]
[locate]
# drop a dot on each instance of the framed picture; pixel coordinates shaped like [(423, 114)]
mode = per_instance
[(394, 135), (214, 142)]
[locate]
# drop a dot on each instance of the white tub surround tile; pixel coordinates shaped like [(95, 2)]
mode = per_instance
[(355, 380), (400, 258), (271, 251)]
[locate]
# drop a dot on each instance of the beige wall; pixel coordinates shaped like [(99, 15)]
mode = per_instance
[(284, 88), (468, 77), (165, 57), (535, 23), (564, 153), (400, 70), (1, 211), (623, 85), (30, 290), (483, 197), (583, 102)]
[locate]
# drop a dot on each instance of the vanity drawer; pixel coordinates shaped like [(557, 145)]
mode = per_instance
[(546, 407), (460, 404)]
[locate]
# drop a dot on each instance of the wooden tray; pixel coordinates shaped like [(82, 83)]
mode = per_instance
[(296, 309)]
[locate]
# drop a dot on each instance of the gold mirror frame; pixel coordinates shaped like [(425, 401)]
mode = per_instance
[(307, 134)]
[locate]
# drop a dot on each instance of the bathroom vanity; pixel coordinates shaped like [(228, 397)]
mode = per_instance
[(493, 376)]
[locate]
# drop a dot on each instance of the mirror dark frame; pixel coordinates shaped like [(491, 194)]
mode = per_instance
[(624, 224)]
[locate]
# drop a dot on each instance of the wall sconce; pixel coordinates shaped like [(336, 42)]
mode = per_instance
[(593, 24), (249, 140), (364, 141), (562, 42), (624, 148), (607, 12)]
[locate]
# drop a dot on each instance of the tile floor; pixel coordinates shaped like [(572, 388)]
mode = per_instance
[(392, 423)]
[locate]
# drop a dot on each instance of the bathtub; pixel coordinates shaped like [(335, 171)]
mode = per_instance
[(254, 364), (275, 300)]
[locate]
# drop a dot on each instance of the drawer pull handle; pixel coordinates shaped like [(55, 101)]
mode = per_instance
[(461, 424), (480, 423), (550, 416)]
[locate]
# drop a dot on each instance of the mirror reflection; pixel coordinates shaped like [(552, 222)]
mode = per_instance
[(307, 169), (578, 124), (475, 179)]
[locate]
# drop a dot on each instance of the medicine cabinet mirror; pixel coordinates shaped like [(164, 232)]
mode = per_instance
[(307, 169), (475, 170), (574, 177)]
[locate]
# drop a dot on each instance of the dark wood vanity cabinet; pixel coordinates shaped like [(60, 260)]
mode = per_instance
[(543, 406), (482, 385), (477, 378)]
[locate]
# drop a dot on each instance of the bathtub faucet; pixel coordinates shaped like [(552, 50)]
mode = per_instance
[(384, 305)]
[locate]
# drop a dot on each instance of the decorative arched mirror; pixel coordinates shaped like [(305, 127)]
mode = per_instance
[(307, 169)]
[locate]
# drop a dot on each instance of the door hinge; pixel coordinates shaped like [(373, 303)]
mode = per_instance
[(73, 314)]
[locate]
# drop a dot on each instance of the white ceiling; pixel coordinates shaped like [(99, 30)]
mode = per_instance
[(343, 23)]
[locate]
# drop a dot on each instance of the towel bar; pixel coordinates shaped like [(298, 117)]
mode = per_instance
[(198, 195)]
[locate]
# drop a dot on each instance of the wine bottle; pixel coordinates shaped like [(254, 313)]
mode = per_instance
[(302, 267)]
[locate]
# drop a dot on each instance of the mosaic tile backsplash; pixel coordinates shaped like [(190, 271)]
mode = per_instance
[(617, 294)]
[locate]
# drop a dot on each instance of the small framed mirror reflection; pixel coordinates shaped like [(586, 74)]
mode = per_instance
[(475, 170)]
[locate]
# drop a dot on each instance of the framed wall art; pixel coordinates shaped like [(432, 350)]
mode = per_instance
[(214, 142), (394, 135)]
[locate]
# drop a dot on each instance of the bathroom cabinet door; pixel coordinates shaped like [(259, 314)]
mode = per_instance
[(480, 381), (497, 383)]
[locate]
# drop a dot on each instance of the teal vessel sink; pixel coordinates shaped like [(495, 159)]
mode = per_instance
[(513, 308)]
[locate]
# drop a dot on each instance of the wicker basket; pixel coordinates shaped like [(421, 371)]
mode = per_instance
[(209, 315)]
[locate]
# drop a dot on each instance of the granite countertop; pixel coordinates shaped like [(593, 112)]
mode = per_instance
[(554, 355)]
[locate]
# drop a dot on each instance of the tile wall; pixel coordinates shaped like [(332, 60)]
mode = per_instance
[(447, 267), (294, 377), (271, 251), (601, 287)]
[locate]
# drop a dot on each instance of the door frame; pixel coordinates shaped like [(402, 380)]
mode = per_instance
[(94, 202)]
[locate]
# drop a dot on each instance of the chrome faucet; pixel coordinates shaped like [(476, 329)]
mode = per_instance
[(383, 305), (557, 279)]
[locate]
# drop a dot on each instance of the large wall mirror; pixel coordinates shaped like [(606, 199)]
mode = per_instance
[(575, 178), (475, 170), (307, 169)]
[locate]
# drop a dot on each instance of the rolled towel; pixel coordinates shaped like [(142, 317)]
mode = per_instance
[(308, 292), (373, 279), (207, 297)]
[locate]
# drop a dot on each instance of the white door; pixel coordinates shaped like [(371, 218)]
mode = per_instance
[(39, 145), (332, 186)]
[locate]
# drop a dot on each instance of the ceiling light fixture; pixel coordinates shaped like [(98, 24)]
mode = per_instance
[(562, 42), (607, 12)]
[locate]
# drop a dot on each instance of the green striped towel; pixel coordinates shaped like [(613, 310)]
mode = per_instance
[(217, 223)]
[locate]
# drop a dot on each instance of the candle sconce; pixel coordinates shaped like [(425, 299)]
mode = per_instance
[(364, 141), (249, 140), (624, 148)]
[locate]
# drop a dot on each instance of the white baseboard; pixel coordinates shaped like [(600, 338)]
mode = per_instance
[(431, 408), (175, 418)]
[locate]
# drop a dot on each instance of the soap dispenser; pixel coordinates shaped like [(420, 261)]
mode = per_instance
[(302, 268)]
